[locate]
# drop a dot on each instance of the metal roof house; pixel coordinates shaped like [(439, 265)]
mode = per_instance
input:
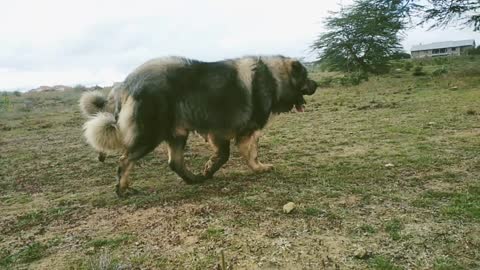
[(442, 48)]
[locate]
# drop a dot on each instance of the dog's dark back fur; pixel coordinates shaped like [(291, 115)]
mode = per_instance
[(209, 96), (205, 97)]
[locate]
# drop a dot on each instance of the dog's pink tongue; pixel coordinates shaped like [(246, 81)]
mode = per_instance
[(299, 108)]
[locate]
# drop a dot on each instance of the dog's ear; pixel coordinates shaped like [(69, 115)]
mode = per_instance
[(296, 66), (298, 73)]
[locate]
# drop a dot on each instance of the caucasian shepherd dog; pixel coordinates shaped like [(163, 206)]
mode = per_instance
[(167, 98)]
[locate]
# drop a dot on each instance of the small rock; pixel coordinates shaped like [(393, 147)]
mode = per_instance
[(287, 208), (361, 253), (431, 123), (389, 165)]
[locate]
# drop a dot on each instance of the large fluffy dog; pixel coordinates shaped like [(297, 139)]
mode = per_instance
[(166, 98)]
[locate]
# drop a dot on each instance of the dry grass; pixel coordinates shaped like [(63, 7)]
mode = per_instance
[(59, 210)]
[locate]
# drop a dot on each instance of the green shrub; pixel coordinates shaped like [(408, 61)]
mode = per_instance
[(325, 81), (397, 64), (79, 88), (408, 65), (440, 71), (475, 51), (418, 71), (440, 60), (353, 79)]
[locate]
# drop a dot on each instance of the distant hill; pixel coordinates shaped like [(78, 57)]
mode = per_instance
[(61, 88), (51, 88)]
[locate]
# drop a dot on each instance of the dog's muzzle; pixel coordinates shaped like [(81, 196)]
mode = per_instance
[(309, 88)]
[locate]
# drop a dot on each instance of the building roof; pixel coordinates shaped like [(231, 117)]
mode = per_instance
[(445, 44)]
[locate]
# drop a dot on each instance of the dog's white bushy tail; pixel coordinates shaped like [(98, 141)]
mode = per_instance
[(92, 103), (103, 134)]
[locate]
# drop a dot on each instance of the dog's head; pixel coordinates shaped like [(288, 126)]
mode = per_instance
[(294, 84)]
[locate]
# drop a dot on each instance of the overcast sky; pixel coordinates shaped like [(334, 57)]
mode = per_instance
[(92, 42)]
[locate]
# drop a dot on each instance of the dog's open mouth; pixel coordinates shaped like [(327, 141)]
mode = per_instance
[(300, 105)]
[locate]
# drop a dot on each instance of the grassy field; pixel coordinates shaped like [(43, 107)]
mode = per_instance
[(384, 175)]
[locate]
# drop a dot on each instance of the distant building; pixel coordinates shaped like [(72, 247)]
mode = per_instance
[(442, 48)]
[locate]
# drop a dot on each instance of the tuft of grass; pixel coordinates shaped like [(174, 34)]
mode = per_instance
[(440, 71), (103, 261), (313, 211), (447, 263), (382, 263), (5, 258), (418, 71), (393, 228), (42, 217), (17, 199), (213, 233), (366, 229), (32, 252), (29, 220), (453, 205), (464, 204), (250, 203), (28, 254), (408, 65), (109, 242), (325, 82)]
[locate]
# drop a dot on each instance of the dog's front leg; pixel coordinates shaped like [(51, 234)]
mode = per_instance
[(248, 147)]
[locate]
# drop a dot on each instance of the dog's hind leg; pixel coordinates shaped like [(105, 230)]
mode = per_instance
[(127, 161), (220, 156), (248, 147), (123, 172), (176, 147)]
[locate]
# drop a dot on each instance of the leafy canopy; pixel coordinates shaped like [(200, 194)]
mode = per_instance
[(445, 12), (362, 37)]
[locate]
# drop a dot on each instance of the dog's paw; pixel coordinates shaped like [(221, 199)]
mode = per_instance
[(207, 174), (101, 157), (207, 169), (120, 191), (261, 168), (125, 192)]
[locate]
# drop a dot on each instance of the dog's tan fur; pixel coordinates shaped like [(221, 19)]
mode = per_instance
[(92, 103), (101, 132), (248, 148)]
